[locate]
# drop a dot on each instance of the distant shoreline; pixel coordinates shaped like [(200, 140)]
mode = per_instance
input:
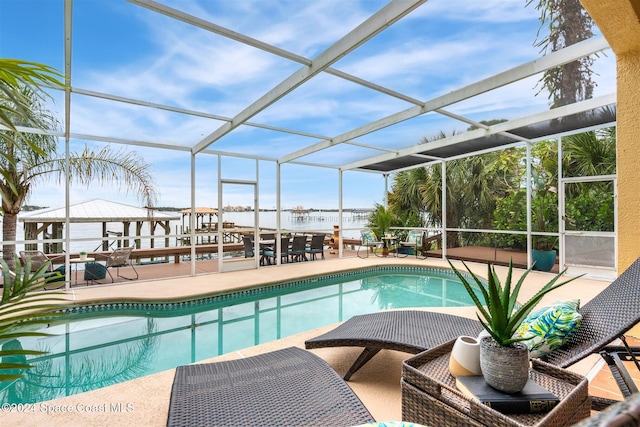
[(31, 208)]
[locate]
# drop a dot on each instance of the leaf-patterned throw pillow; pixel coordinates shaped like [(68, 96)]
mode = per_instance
[(550, 326), (368, 237), (414, 237)]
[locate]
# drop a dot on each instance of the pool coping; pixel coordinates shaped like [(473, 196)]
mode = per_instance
[(117, 303)]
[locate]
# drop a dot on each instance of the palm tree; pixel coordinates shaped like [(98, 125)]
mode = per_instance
[(406, 191), (568, 23), (30, 157), (473, 186), (590, 153), (590, 205), (380, 220)]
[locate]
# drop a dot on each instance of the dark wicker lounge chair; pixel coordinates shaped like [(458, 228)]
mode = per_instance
[(625, 413), (606, 317), (411, 331), (285, 387)]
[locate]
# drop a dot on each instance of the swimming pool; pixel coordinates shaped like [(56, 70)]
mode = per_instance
[(103, 344)]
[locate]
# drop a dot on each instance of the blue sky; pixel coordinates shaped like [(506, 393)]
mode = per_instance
[(126, 50)]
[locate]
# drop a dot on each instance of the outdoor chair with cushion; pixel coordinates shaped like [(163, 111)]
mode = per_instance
[(268, 236), (270, 252), (288, 387), (34, 259), (316, 246), (117, 259), (605, 318), (370, 241), (94, 271), (413, 242), (247, 242), (249, 248), (299, 248)]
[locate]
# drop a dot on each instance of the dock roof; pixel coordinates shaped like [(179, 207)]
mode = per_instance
[(97, 210), (200, 211)]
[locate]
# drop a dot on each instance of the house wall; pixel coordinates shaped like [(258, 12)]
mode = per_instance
[(619, 22)]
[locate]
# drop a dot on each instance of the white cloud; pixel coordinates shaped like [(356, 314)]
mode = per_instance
[(491, 11)]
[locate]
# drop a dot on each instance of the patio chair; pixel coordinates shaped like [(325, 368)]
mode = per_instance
[(34, 259), (270, 253), (413, 241), (370, 241), (268, 236), (120, 257), (316, 246), (247, 241), (610, 314), (299, 249), (248, 246), (287, 387)]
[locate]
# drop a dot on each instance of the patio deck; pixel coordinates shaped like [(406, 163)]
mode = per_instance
[(161, 270)]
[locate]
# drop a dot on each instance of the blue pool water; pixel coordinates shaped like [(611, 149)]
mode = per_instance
[(99, 345)]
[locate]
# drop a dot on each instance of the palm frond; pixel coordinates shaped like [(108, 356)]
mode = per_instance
[(126, 169), (23, 308)]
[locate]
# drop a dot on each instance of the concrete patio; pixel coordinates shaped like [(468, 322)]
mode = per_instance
[(377, 384)]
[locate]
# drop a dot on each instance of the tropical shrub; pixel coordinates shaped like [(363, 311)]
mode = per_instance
[(21, 308)]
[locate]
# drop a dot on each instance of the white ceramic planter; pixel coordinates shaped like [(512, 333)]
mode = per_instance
[(465, 357)]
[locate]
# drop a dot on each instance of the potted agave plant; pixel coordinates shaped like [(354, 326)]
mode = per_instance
[(504, 358)]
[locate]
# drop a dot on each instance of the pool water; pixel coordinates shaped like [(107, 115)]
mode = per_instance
[(101, 345)]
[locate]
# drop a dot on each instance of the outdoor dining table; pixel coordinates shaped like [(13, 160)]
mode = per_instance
[(76, 261)]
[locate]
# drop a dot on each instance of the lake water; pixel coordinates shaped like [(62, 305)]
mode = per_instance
[(87, 235)]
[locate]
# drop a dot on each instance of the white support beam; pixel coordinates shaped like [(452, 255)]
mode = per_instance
[(68, 27), (164, 107), (528, 69), (372, 147), (385, 17), (477, 124)]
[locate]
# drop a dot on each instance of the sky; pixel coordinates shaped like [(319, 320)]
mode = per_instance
[(124, 49)]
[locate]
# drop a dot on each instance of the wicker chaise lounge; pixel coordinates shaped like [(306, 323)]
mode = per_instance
[(411, 331), (606, 317), (285, 387)]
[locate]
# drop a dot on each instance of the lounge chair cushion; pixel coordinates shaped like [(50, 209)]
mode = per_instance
[(551, 326), (94, 271), (60, 277), (414, 237)]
